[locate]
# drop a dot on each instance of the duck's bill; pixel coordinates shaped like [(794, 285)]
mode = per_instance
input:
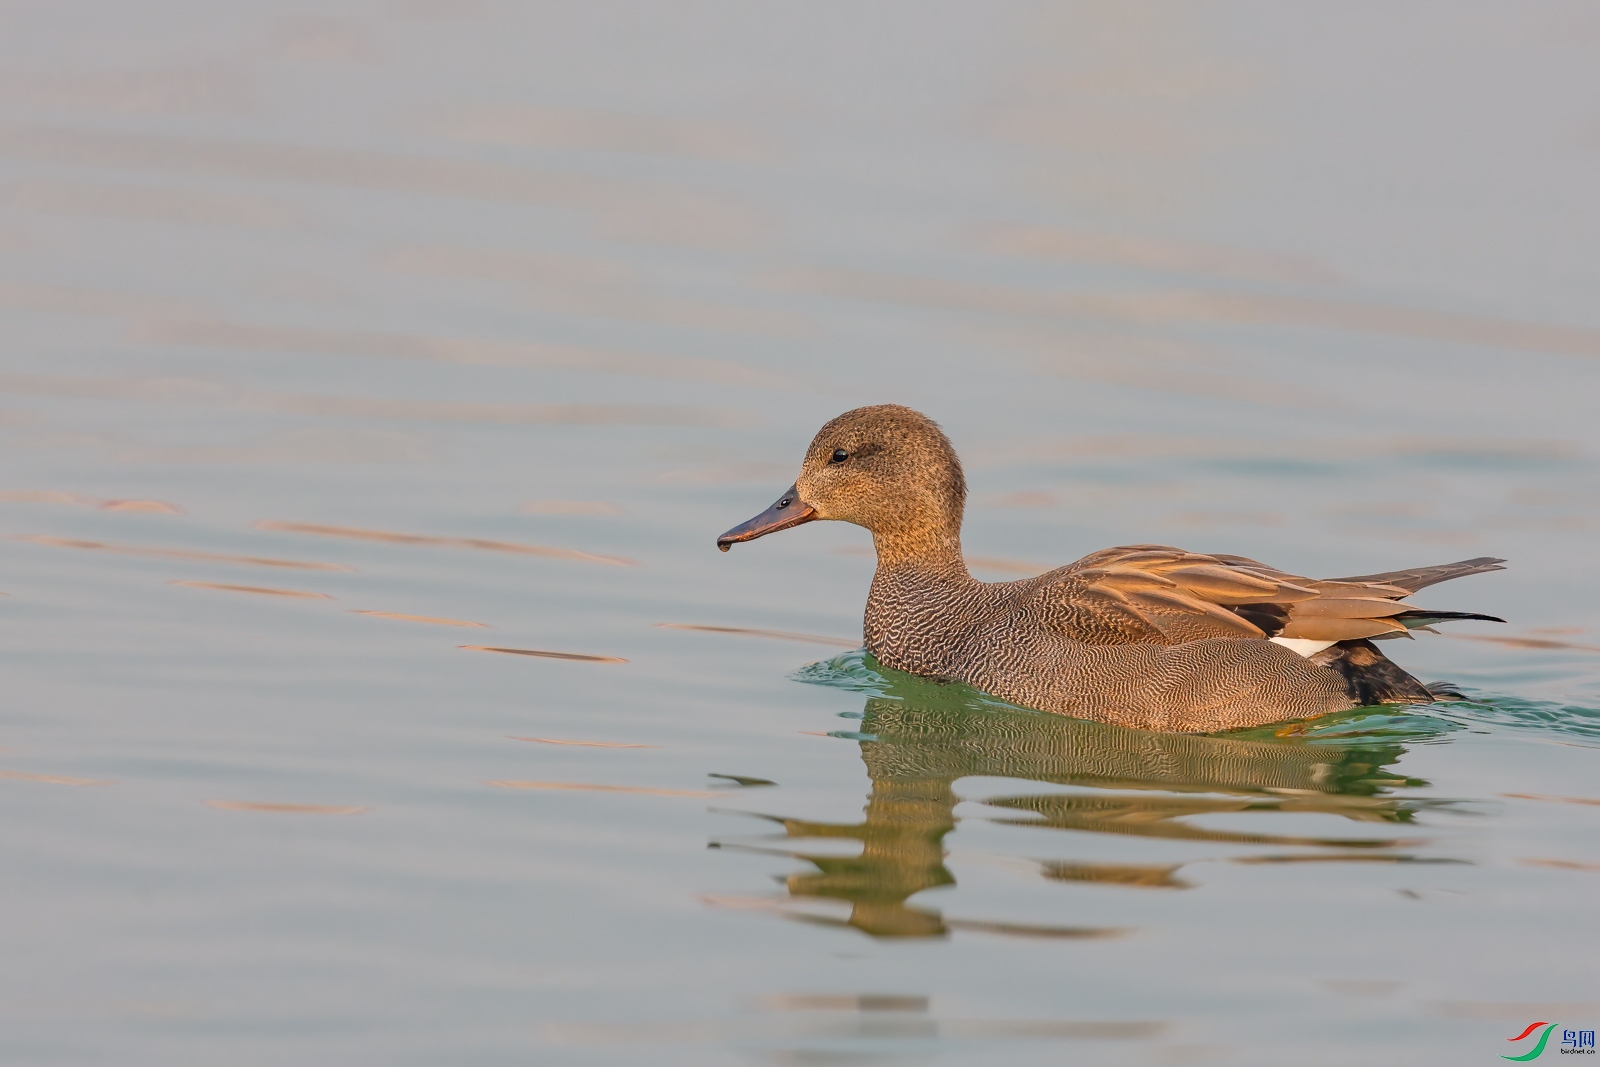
[(789, 511)]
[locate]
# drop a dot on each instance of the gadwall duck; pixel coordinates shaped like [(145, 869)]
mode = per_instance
[(1143, 635)]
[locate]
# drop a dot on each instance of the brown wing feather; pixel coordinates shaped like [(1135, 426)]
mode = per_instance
[(1155, 594), (1339, 629), (1164, 595), (1342, 607)]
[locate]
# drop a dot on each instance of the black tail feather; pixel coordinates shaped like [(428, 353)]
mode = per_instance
[(1426, 617)]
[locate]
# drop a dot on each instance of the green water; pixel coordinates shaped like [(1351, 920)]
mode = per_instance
[(347, 345)]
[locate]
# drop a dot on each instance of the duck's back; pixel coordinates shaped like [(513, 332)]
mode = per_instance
[(1156, 637)]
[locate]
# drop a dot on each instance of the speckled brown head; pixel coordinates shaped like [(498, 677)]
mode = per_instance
[(888, 468)]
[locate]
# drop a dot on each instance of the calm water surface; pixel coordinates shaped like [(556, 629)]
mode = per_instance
[(351, 350)]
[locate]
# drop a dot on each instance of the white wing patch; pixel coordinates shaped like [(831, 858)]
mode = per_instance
[(1303, 645)]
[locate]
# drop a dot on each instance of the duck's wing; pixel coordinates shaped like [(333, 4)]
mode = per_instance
[(1161, 595), (1164, 595)]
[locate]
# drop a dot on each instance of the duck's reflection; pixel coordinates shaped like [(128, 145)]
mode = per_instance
[(920, 738)]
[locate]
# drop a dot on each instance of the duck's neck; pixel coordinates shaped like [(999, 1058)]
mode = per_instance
[(914, 611), (933, 550)]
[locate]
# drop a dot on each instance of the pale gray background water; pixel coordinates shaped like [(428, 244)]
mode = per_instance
[(1313, 283)]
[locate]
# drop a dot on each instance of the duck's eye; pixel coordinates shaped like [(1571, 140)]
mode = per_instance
[(840, 455)]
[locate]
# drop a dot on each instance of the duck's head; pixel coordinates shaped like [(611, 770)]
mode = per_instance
[(888, 468)]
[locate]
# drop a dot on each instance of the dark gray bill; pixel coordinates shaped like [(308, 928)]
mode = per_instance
[(789, 511)]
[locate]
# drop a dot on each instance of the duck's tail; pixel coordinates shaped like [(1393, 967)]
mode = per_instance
[(1311, 614), (1422, 577), (1369, 675)]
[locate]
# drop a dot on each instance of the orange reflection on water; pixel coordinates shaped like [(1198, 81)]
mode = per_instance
[(1561, 865), (180, 553), (590, 788), (582, 744), (52, 496), (579, 656), (259, 589), (286, 809), (417, 618), (1524, 642), (1553, 799), (778, 635), (480, 543), (53, 779)]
